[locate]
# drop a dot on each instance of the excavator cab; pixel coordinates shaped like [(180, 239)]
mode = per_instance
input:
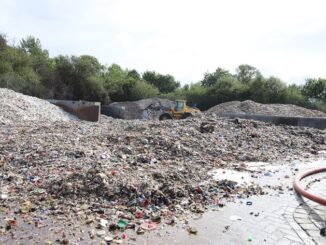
[(179, 111), (179, 105)]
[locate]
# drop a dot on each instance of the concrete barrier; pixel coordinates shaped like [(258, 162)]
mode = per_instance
[(123, 110), (312, 122), (85, 110)]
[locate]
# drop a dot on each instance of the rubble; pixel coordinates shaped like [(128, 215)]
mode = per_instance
[(96, 180), (251, 107), (149, 109), (16, 107)]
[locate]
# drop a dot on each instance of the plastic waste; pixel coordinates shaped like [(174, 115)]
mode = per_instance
[(192, 230), (122, 224), (26, 207), (139, 214), (148, 225), (235, 218)]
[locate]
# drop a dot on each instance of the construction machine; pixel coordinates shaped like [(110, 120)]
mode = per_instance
[(179, 111)]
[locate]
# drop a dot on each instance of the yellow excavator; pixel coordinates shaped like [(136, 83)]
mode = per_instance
[(179, 111)]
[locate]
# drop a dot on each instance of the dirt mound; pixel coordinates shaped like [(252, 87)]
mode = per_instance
[(251, 107), (17, 107)]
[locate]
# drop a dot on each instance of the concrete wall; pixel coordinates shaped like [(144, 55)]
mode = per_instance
[(123, 110), (313, 122), (85, 110)]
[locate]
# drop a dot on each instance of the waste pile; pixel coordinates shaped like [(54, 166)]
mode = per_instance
[(150, 108), (251, 107), (16, 107), (94, 181)]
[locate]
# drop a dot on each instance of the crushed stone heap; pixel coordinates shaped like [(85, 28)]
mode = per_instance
[(16, 107), (150, 108), (251, 107)]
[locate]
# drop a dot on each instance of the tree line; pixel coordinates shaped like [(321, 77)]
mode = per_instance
[(28, 68)]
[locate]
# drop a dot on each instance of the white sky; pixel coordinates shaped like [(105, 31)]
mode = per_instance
[(184, 38)]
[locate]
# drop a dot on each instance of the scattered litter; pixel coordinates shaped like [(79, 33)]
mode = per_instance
[(192, 230), (235, 218), (140, 231), (226, 228), (3, 196), (139, 214), (323, 231), (232, 175), (148, 225), (122, 224), (103, 222), (101, 233), (254, 214), (108, 239)]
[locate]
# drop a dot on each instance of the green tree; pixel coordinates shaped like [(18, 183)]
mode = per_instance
[(227, 89), (197, 95), (270, 90), (164, 83), (80, 78), (293, 95), (117, 82), (42, 64), (3, 42), (246, 73), (257, 90), (211, 79), (274, 89), (142, 90), (315, 89), (134, 74), (124, 85), (16, 70)]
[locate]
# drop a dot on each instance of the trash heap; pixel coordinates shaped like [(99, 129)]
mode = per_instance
[(91, 181), (251, 107), (16, 107)]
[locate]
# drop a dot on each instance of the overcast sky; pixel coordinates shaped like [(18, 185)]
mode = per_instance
[(184, 38)]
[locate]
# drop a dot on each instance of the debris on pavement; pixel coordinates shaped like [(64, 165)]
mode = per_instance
[(235, 218), (192, 230), (323, 231)]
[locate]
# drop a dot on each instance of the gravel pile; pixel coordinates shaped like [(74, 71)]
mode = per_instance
[(16, 107), (93, 180), (150, 108), (251, 107)]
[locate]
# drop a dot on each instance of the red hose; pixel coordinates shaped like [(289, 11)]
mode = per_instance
[(304, 193)]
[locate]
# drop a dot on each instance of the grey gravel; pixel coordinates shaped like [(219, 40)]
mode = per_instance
[(251, 107)]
